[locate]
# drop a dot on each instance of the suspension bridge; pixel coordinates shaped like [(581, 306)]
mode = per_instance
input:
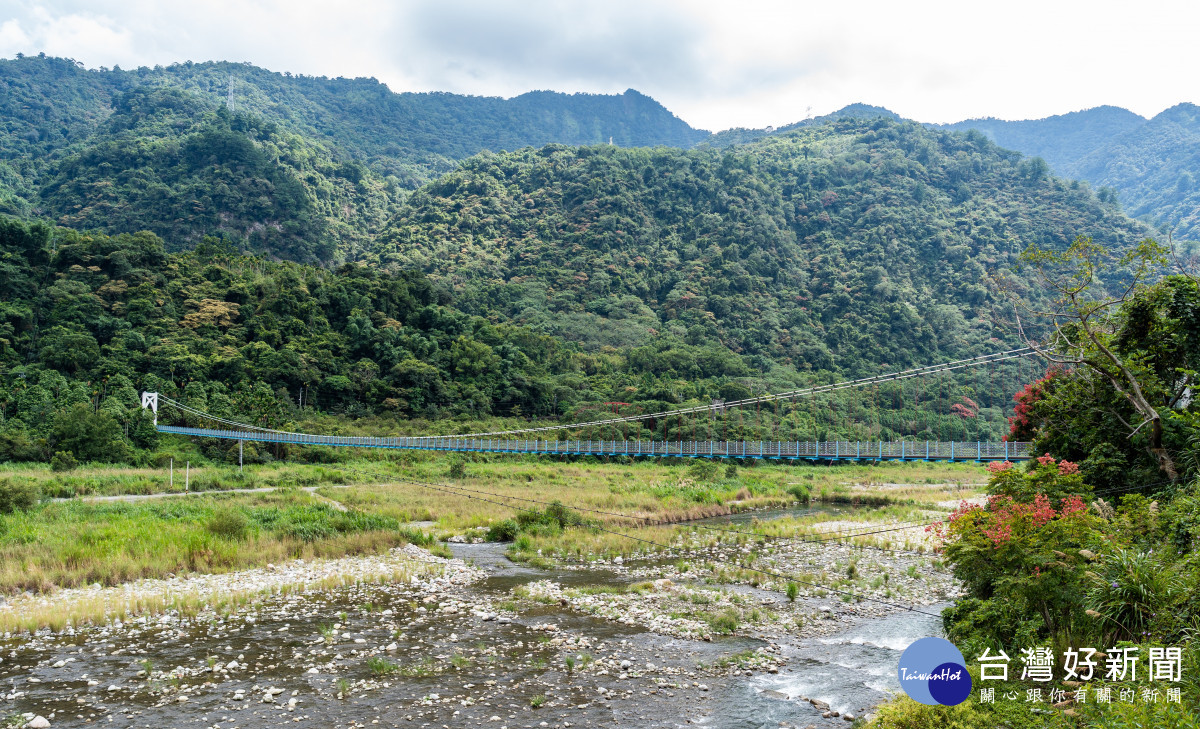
[(690, 422)]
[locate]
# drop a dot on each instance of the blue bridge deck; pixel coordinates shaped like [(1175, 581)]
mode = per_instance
[(842, 450)]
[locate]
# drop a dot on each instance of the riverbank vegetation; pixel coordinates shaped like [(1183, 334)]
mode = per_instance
[(1104, 552), (73, 543), (48, 544)]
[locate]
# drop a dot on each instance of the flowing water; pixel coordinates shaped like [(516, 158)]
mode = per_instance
[(851, 672)]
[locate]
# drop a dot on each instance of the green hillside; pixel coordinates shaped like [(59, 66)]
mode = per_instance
[(1061, 140), (165, 162), (843, 245), (1150, 164), (539, 282), (1154, 168), (297, 167)]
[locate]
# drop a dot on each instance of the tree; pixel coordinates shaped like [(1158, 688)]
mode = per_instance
[(1086, 329), (89, 436)]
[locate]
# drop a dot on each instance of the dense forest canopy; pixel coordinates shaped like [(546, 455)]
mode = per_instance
[(848, 245), (319, 164), (1149, 164), (53, 108)]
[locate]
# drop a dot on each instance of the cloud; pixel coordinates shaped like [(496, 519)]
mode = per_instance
[(714, 64), (72, 35), (472, 44)]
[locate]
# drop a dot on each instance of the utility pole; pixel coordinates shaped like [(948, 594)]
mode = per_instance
[(240, 442), (172, 473), (187, 477), (229, 94)]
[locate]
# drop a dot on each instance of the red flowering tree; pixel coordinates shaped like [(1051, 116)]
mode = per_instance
[(968, 408), (1023, 546), (1025, 420)]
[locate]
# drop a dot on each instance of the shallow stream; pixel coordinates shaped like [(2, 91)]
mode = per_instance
[(474, 668)]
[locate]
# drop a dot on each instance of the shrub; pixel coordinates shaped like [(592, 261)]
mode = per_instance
[(15, 496), (725, 622), (15, 445), (91, 436), (731, 471), (1044, 476), (503, 531), (703, 470), (1020, 549), (793, 590), (458, 468), (63, 461), (801, 492), (1133, 591), (229, 524)]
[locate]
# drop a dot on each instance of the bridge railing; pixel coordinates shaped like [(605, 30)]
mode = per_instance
[(816, 450)]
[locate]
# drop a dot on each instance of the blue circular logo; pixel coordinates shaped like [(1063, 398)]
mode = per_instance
[(932, 671)]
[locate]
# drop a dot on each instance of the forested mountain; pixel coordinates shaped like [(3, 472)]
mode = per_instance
[(299, 167), (87, 321), (1151, 164), (48, 104), (741, 135), (308, 168), (1061, 140), (166, 163), (531, 282), (1154, 169), (844, 245)]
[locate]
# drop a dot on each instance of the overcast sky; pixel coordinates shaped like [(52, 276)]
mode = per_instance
[(715, 64)]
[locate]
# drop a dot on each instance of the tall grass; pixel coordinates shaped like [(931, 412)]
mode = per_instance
[(67, 544), (101, 480)]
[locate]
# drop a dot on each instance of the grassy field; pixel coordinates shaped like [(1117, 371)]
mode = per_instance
[(642, 489), (99, 480), (67, 544), (492, 492), (76, 542)]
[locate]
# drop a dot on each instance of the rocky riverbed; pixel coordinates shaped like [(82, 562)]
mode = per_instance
[(411, 639)]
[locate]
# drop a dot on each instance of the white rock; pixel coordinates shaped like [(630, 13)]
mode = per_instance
[(114, 687), (618, 560), (313, 670), (232, 665), (391, 647), (39, 722)]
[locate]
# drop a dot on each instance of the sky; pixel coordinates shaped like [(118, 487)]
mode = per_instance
[(714, 64)]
